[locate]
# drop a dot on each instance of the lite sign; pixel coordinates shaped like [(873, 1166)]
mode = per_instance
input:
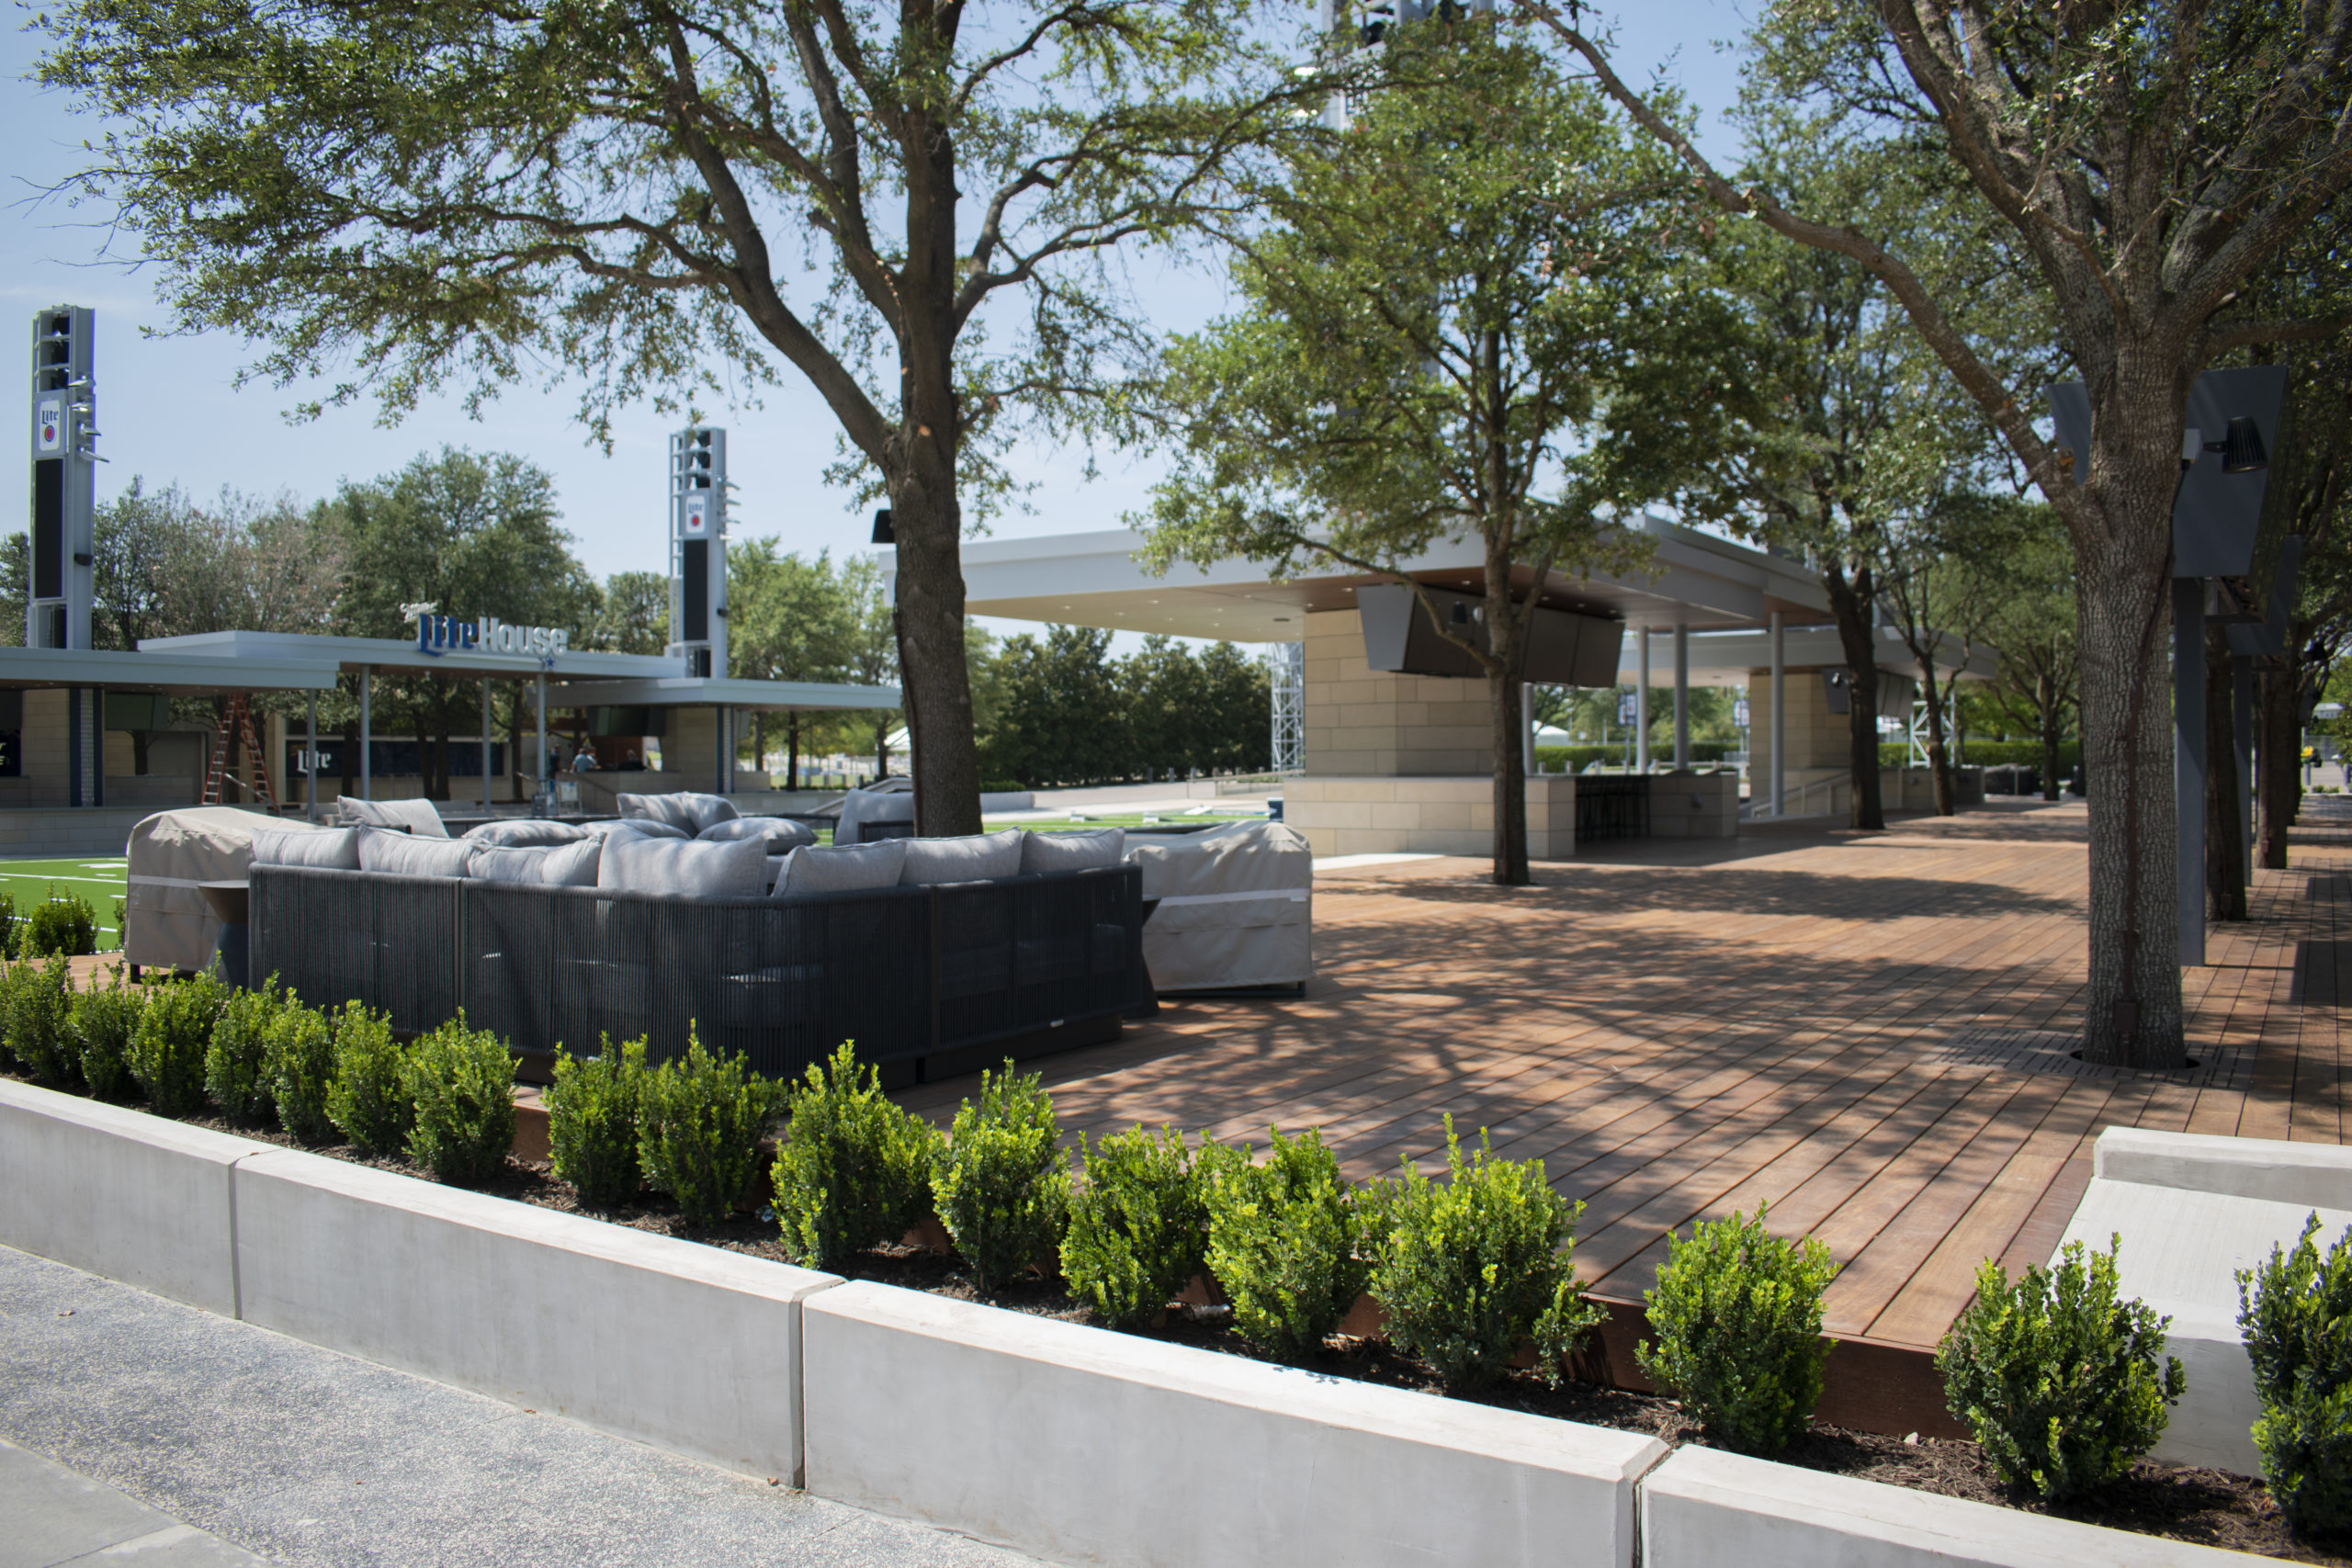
[(438, 635)]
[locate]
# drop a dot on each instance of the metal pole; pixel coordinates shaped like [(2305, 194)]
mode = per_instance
[(1779, 715), (485, 746), (311, 758), (1681, 696), (367, 737), (544, 771), (1526, 728), (2242, 723), (2188, 760), (1642, 703)]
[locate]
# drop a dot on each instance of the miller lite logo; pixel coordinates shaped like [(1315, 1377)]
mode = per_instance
[(49, 420), (696, 523)]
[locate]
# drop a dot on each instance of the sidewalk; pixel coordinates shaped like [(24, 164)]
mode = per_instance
[(304, 1456)]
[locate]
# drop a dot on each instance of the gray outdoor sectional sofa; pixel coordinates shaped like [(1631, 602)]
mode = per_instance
[(934, 955)]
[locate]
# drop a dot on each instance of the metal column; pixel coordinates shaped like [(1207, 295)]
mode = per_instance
[(1642, 702), (544, 771), (1681, 696), (1526, 728), (1779, 716), (311, 758), (485, 745), (367, 736), (2189, 760), (2242, 730)]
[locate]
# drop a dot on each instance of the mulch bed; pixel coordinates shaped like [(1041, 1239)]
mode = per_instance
[(2209, 1508)]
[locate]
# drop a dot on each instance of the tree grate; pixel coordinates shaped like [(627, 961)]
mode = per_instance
[(2050, 1053)]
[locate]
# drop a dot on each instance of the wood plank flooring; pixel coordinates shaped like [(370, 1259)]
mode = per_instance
[(1678, 1029)]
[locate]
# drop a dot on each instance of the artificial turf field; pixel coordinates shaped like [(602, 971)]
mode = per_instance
[(97, 878)]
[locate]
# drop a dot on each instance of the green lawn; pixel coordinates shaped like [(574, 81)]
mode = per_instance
[(97, 878)]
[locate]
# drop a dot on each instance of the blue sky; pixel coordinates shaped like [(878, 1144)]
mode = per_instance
[(169, 410)]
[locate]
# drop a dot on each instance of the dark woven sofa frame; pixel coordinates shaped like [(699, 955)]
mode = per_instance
[(930, 982)]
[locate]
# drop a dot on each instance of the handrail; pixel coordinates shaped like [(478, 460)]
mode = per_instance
[(1764, 810)]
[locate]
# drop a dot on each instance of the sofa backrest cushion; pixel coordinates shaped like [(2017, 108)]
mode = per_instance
[(634, 864), (688, 813), (1088, 851), (336, 847), (521, 832), (642, 826), (850, 868), (412, 854), (780, 836), (419, 817), (549, 865), (976, 857)]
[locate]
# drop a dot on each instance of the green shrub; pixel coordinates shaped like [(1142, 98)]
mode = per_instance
[(699, 1129), (298, 1066), (368, 1098), (462, 1083), (1139, 1228), (167, 1046), (39, 996), (1738, 1312), (12, 924), (2295, 1312), (1469, 1269), (592, 1122), (1282, 1241), (233, 1073), (1003, 1180), (100, 1027), (852, 1171), (67, 925), (2063, 1384)]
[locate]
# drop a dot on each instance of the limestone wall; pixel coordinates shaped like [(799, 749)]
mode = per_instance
[(1361, 722)]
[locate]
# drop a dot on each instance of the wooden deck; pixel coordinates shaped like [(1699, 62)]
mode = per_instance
[(1679, 1030)]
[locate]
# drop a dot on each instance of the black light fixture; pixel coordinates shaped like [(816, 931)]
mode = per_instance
[(1460, 616), (2241, 448), (883, 532)]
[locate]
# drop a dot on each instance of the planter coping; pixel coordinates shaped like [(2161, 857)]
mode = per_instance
[(1944, 1530), (161, 1132), (1516, 1437), (2316, 1176), (579, 1233)]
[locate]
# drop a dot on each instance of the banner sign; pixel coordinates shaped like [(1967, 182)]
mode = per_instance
[(438, 635)]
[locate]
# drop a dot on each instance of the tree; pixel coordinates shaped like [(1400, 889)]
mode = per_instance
[(469, 534), (2150, 157), (630, 192), (1470, 299), (1949, 576), (2037, 686), (630, 615), (1064, 718), (788, 619)]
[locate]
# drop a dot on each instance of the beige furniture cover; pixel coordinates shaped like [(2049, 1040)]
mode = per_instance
[(1236, 906), (166, 922)]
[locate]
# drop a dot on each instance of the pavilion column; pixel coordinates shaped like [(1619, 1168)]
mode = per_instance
[(485, 745), (2189, 761), (1526, 728), (2242, 722), (545, 773), (1642, 701), (310, 759), (1779, 716), (367, 736), (1681, 696)]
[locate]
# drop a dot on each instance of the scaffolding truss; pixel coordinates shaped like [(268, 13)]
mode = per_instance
[(1286, 674)]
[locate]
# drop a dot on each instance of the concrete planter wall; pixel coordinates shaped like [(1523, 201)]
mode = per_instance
[(1707, 1509), (1077, 1444), (1088, 1447)]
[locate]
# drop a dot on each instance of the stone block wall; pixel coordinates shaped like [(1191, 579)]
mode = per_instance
[(1446, 816), (1361, 721)]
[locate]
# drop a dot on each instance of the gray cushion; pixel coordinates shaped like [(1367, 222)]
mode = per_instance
[(642, 826), (416, 815), (412, 854), (517, 832), (1073, 851), (689, 812), (781, 837), (334, 847), (634, 864), (977, 857), (851, 868), (552, 865)]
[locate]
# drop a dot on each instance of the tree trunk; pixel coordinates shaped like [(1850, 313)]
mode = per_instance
[(443, 757), (2280, 775), (2224, 840), (350, 755), (1849, 600), (2133, 1014), (1510, 780), (1939, 766), (792, 751)]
